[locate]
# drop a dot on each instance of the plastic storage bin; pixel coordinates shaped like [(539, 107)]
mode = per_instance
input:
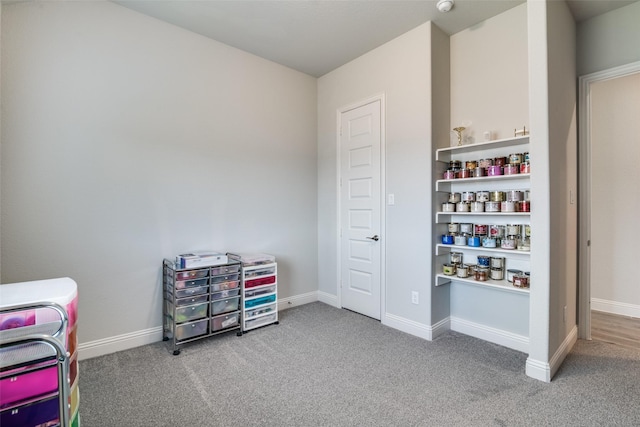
[(192, 312), (225, 305), (260, 291), (225, 321), (225, 278), (260, 321), (192, 274), (225, 294), (181, 284), (225, 285), (192, 300), (192, 291), (259, 301), (260, 310), (190, 330), (225, 269), (259, 282)]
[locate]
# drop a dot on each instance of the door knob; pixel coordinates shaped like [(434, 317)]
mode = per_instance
[(374, 238)]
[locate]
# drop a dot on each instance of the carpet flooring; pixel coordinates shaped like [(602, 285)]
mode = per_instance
[(322, 366)]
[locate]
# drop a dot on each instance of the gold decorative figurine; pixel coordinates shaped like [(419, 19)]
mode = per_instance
[(459, 130)]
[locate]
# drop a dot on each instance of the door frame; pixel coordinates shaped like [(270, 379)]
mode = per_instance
[(383, 289), (584, 189)]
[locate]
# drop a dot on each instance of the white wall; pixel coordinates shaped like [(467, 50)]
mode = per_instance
[(489, 78), (401, 70), (615, 142), (554, 218), (126, 140), (609, 40), (489, 88)]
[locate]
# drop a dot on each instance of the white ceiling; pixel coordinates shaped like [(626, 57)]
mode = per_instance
[(317, 36)]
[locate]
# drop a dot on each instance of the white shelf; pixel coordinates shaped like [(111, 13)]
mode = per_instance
[(510, 252), (444, 154), (481, 214), (481, 179), (499, 285)]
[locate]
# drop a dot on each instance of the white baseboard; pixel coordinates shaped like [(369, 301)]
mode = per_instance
[(118, 343), (329, 299), (148, 336), (544, 371), (613, 307), (496, 336), (294, 301), (415, 328)]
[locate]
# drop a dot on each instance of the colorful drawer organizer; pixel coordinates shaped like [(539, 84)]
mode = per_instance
[(259, 289), (30, 394)]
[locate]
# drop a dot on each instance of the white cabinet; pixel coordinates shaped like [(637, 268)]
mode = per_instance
[(449, 226)]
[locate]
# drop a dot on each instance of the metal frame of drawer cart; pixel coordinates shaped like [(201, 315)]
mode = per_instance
[(38, 354), (259, 291), (200, 302)]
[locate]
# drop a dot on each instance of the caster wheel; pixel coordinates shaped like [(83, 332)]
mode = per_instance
[(176, 352), (276, 322), (238, 334), (165, 338)]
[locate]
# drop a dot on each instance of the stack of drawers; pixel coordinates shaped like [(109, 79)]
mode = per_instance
[(200, 302), (35, 390)]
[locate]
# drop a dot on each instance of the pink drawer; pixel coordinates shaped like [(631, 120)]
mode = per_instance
[(225, 321), (260, 281), (30, 384), (17, 319), (190, 330)]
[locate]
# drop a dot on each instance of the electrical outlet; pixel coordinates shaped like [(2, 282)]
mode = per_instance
[(415, 297)]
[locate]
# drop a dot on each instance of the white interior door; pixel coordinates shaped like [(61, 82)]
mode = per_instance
[(360, 209)]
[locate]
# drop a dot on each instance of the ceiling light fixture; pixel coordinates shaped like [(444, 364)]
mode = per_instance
[(444, 5)]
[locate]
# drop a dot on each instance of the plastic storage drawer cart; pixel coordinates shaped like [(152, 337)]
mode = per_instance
[(38, 354), (200, 302), (259, 290)]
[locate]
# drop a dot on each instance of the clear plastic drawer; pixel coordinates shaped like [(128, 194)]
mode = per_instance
[(191, 312), (225, 269), (192, 274), (188, 292), (260, 310), (225, 294), (256, 292), (192, 300), (193, 329), (181, 284), (225, 305), (225, 285), (261, 272), (225, 278), (261, 321), (225, 321)]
